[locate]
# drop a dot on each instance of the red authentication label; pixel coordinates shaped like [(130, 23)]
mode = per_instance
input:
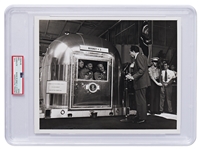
[(17, 75)]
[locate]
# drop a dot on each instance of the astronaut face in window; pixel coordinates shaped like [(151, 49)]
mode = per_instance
[(80, 64), (101, 67), (90, 66)]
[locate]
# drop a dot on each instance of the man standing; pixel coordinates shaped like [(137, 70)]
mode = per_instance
[(166, 90), (141, 82), (154, 73)]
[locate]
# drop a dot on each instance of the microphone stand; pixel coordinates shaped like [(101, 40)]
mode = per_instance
[(126, 97)]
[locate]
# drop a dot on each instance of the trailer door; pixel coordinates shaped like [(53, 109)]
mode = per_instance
[(91, 88)]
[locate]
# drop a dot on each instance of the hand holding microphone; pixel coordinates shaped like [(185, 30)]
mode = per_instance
[(129, 76)]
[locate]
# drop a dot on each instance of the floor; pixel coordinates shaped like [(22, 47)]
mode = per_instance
[(162, 121)]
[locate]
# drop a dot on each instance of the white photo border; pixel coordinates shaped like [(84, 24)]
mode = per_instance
[(103, 131)]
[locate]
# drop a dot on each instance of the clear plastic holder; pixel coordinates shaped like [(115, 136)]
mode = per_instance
[(20, 40)]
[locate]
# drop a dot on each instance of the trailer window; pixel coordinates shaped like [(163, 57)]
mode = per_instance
[(92, 70)]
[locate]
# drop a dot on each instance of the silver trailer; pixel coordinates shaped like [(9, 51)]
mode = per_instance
[(65, 94)]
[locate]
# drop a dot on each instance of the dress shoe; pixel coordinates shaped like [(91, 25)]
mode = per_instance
[(141, 121)]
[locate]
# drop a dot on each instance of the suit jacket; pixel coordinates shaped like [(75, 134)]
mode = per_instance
[(140, 72)]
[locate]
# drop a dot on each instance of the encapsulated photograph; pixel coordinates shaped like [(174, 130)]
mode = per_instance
[(107, 75)]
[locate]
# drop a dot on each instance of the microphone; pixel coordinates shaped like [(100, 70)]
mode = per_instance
[(126, 67)]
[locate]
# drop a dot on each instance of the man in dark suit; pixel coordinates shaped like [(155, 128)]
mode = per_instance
[(141, 81)]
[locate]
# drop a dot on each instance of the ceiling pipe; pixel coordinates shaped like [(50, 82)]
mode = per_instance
[(47, 27), (110, 28), (125, 29), (79, 27)]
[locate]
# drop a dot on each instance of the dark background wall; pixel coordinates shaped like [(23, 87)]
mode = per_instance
[(122, 34)]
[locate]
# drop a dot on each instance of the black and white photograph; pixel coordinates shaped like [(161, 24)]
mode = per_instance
[(100, 74)]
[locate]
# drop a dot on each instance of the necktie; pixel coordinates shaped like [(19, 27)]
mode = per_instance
[(165, 75)]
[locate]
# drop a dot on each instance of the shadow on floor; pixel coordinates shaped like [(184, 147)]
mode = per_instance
[(153, 122)]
